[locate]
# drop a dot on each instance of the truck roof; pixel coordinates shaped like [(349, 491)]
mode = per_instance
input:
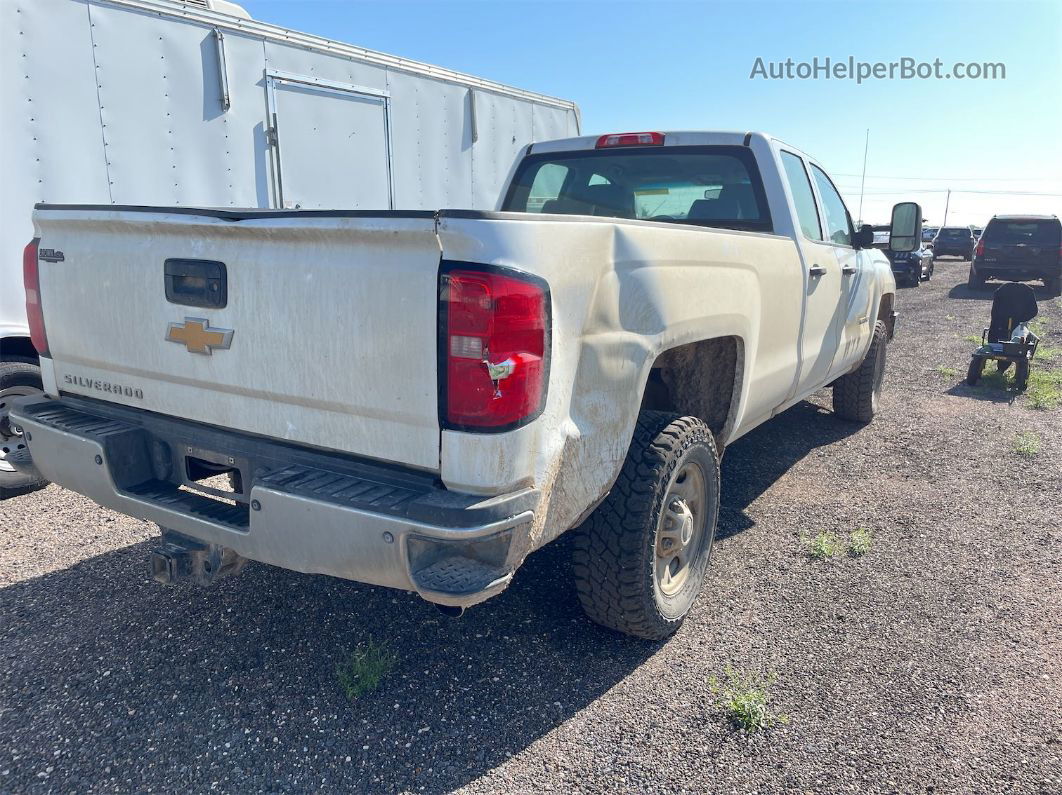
[(671, 138)]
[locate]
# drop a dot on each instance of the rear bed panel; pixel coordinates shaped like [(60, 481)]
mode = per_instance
[(333, 321)]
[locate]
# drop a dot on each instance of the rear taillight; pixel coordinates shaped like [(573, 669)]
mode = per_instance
[(630, 139), (980, 250), (495, 338), (31, 279)]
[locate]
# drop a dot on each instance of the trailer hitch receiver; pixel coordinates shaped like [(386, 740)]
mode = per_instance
[(183, 559)]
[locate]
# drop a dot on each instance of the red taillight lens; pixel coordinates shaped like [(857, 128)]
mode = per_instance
[(980, 250), (630, 139), (31, 279), (496, 338)]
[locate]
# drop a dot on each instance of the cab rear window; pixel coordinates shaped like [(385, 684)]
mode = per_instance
[(717, 186)]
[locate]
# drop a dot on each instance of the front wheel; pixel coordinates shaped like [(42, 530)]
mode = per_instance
[(18, 378), (639, 560), (973, 374), (856, 395)]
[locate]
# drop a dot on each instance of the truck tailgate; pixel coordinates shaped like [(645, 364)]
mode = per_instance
[(332, 318)]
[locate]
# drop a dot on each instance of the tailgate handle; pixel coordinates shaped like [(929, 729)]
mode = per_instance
[(196, 282)]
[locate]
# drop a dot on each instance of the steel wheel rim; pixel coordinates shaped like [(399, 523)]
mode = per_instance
[(11, 442), (680, 529)]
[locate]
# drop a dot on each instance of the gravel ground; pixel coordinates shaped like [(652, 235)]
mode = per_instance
[(930, 664)]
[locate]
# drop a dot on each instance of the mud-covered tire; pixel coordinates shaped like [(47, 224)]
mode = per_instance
[(973, 373), (18, 377), (855, 396), (616, 550)]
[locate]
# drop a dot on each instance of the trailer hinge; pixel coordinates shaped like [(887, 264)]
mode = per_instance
[(223, 70)]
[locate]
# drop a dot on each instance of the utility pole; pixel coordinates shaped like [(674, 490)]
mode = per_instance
[(947, 201), (863, 181)]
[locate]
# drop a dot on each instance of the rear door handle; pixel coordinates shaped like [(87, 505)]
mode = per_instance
[(848, 270), (816, 270)]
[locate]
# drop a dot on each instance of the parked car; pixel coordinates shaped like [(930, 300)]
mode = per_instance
[(235, 93), (912, 267), (431, 396), (929, 233), (1019, 248), (955, 241)]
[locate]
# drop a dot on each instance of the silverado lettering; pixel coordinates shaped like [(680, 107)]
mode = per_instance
[(102, 386)]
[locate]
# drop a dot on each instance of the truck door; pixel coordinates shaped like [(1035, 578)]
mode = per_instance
[(857, 277), (331, 144), (824, 311)]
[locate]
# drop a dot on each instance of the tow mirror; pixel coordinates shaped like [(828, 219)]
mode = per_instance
[(864, 238), (905, 231)]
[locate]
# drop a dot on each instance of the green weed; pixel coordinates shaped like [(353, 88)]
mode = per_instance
[(745, 699), (859, 542), (823, 546), (364, 669)]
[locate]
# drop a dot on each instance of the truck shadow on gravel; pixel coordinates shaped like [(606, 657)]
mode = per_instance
[(755, 461), (140, 685)]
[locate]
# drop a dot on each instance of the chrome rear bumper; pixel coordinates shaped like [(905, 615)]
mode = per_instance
[(299, 509)]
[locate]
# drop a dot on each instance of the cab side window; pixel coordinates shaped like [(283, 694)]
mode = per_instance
[(838, 227), (803, 198)]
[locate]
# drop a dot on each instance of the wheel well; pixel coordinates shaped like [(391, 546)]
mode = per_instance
[(19, 347), (701, 379), (885, 313)]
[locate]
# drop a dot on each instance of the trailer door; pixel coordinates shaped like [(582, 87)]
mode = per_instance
[(331, 144)]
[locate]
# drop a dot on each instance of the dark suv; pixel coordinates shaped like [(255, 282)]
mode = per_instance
[(1020, 247), (957, 241)]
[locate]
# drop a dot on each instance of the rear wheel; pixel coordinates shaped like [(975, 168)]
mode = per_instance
[(975, 281), (977, 366), (1021, 374), (18, 378), (639, 560), (1054, 286), (855, 396)]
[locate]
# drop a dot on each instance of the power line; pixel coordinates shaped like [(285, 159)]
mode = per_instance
[(955, 179), (953, 190)]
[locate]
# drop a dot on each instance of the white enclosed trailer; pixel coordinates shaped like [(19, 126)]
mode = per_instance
[(194, 103)]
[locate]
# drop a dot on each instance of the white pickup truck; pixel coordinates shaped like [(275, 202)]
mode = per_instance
[(421, 399)]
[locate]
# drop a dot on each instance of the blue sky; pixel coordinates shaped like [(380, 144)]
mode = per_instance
[(686, 65)]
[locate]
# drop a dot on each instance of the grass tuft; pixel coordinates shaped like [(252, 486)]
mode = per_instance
[(365, 668), (947, 372), (744, 699), (823, 546), (1027, 444), (859, 542), (1044, 390)]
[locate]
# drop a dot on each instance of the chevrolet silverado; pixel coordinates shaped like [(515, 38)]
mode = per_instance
[(422, 399)]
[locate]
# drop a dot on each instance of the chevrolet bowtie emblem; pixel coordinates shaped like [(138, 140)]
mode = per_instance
[(197, 336)]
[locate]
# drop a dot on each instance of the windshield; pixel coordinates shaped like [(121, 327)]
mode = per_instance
[(706, 185), (1044, 233)]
